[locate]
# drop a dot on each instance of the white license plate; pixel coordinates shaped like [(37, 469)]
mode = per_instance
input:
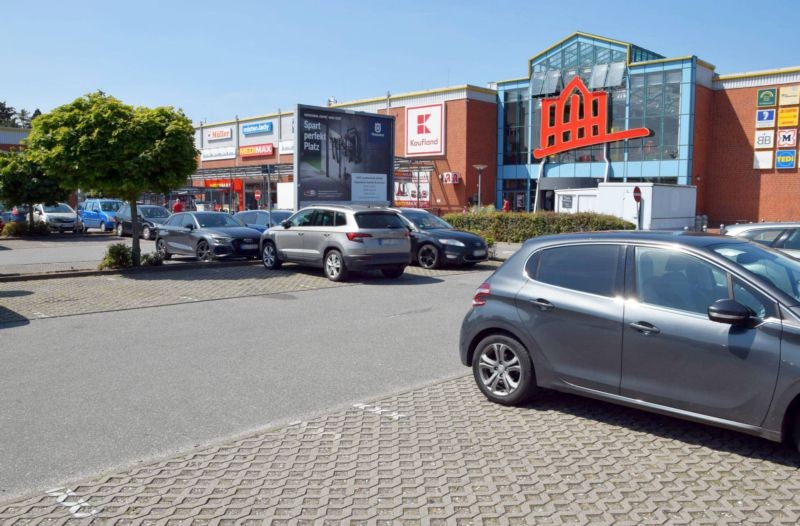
[(249, 246), (479, 253), (386, 242)]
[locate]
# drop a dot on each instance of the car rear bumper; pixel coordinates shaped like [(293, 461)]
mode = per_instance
[(376, 261)]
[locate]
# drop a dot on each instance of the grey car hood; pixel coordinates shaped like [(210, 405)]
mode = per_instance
[(234, 231)]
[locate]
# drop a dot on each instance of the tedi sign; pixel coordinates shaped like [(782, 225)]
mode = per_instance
[(425, 130), (578, 118)]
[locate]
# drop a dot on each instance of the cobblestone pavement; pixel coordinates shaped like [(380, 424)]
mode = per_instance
[(23, 301), (444, 455)]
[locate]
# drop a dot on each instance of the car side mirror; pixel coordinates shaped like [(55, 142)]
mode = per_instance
[(189, 227), (38, 212), (286, 223), (729, 311)]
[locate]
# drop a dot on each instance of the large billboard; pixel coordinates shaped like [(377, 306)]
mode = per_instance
[(343, 157)]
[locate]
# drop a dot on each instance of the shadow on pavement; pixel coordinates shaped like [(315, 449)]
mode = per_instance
[(14, 293), (210, 271), (10, 318), (667, 427)]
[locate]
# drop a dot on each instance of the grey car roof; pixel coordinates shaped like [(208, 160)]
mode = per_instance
[(680, 237), (353, 208), (744, 227)]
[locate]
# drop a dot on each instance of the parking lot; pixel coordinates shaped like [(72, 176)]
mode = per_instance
[(220, 394)]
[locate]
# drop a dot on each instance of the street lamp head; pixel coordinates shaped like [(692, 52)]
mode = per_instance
[(479, 166)]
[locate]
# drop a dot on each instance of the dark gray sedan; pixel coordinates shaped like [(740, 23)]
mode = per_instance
[(696, 326), (206, 235)]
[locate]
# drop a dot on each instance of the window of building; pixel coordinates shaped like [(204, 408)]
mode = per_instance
[(655, 104)]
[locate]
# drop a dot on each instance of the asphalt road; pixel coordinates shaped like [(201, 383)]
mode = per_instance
[(91, 393)]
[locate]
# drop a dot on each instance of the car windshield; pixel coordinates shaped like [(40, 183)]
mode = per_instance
[(773, 267), (426, 221), (277, 217), (60, 208), (152, 212), (110, 206), (216, 220)]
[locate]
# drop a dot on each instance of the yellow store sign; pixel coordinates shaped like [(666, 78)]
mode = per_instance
[(787, 117)]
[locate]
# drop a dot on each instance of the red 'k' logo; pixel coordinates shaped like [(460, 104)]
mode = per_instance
[(422, 120), (584, 122)]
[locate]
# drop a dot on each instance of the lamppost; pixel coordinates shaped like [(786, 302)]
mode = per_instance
[(480, 168)]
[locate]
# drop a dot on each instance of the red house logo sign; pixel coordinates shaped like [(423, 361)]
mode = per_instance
[(584, 122)]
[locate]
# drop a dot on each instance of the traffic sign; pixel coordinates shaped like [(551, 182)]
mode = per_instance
[(258, 195), (637, 194)]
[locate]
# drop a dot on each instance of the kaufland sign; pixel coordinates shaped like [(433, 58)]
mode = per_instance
[(425, 130)]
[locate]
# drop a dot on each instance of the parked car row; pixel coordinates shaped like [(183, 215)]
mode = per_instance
[(336, 238)]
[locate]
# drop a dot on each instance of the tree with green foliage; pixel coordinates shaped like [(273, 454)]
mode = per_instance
[(100, 143), (7, 115), (22, 182), (24, 118)]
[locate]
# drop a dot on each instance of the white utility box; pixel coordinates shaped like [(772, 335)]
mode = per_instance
[(662, 207)]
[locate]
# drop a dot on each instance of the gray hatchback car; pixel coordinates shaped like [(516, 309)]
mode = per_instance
[(338, 239), (697, 326)]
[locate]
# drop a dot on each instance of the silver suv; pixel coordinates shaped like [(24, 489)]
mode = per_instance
[(339, 239)]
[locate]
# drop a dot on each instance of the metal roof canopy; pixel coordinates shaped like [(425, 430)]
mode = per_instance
[(283, 169)]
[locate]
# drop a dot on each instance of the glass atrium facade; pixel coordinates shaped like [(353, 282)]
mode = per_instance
[(645, 90)]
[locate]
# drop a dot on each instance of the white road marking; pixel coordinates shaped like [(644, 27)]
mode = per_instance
[(73, 507), (377, 410)]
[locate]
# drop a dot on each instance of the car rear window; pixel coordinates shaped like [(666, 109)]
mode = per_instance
[(378, 220), (586, 268)]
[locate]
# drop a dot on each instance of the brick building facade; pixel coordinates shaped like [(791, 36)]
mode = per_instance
[(703, 132)]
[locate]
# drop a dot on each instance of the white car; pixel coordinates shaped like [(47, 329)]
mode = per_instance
[(59, 217)]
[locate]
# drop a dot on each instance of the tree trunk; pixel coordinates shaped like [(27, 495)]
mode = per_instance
[(30, 219), (135, 233)]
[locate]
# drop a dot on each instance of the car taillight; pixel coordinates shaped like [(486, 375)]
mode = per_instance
[(358, 238), (479, 299)]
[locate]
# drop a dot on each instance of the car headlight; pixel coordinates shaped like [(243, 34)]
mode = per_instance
[(222, 239), (451, 242)]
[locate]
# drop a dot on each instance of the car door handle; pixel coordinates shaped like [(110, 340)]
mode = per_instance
[(644, 327), (542, 304)]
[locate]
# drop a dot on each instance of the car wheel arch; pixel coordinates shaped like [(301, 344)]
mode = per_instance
[(790, 416), (478, 337)]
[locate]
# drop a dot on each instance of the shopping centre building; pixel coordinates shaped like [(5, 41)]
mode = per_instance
[(587, 109)]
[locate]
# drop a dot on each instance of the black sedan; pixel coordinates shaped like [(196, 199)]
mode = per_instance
[(434, 241), (206, 235), (150, 217)]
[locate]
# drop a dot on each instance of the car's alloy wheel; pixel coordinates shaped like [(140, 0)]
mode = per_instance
[(146, 233), (161, 249), (334, 266), (502, 370), (269, 257), (119, 230), (428, 256), (103, 227), (203, 251)]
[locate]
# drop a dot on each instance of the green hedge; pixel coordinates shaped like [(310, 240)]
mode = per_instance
[(20, 229), (516, 227)]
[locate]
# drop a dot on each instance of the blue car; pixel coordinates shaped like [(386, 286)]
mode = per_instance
[(261, 219), (100, 213)]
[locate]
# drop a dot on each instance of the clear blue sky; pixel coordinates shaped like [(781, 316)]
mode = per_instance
[(217, 59)]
